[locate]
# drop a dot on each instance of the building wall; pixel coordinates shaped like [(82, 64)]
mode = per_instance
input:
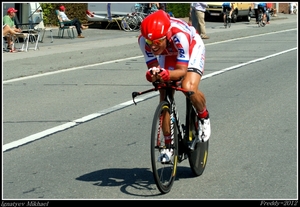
[(284, 8)]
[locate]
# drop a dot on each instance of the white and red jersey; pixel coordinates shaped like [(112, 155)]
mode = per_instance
[(185, 48)]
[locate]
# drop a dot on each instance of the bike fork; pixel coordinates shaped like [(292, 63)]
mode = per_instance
[(180, 134)]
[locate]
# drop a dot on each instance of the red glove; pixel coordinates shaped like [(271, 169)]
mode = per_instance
[(165, 75), (149, 75)]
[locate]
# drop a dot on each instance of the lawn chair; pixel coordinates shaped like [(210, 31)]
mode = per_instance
[(28, 34), (112, 19), (62, 27), (40, 27)]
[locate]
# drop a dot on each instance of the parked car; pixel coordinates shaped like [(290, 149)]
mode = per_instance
[(241, 10)]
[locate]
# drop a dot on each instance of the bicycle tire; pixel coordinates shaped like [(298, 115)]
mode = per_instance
[(164, 174), (197, 157), (129, 23), (139, 19)]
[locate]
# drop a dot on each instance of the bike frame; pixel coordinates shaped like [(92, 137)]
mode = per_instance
[(260, 17), (183, 133)]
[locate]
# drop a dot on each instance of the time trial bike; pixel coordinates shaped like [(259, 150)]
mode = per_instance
[(185, 142)]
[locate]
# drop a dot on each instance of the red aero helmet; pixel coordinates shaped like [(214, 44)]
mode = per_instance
[(156, 25)]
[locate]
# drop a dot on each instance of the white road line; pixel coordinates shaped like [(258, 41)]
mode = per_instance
[(66, 70), (84, 119)]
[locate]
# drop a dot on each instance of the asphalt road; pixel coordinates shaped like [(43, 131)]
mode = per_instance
[(71, 131)]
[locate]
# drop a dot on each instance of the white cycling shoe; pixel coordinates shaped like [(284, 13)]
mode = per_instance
[(204, 129), (165, 156)]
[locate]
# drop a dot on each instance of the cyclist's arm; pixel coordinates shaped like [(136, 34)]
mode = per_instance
[(181, 42), (150, 58)]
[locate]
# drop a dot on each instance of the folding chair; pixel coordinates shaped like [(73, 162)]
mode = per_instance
[(40, 27), (62, 27), (112, 20), (29, 34), (4, 45)]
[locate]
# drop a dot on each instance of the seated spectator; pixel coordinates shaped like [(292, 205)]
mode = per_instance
[(268, 11), (8, 32), (9, 20), (74, 22)]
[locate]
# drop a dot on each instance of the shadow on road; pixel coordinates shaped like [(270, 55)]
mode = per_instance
[(135, 181)]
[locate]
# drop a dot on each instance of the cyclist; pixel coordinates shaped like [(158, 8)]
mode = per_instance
[(262, 6), (227, 6), (181, 55)]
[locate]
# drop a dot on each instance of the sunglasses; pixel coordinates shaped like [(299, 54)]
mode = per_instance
[(155, 42)]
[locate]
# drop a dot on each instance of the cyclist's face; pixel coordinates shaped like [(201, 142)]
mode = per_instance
[(157, 46)]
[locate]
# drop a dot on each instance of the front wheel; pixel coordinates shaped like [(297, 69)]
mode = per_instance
[(229, 22), (163, 173), (197, 157)]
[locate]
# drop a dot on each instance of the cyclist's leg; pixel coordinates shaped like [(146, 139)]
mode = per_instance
[(230, 13), (166, 119), (264, 15), (224, 15), (195, 71), (191, 81)]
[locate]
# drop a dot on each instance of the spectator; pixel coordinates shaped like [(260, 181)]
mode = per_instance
[(146, 8), (154, 6), (163, 6), (255, 8), (70, 22), (268, 11), (292, 7), (200, 9), (9, 20), (271, 9)]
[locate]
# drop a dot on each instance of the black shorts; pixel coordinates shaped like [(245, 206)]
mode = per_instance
[(227, 8), (263, 9), (195, 70)]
